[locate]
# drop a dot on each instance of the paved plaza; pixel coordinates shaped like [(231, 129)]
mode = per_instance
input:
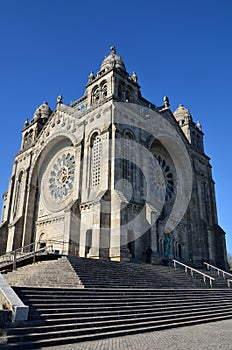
[(209, 336)]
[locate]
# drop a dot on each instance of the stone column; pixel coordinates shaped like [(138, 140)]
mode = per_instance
[(29, 216), (10, 239), (115, 231), (155, 258), (66, 236), (86, 222), (212, 246), (94, 250)]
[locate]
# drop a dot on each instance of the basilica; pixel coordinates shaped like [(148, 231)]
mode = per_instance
[(113, 176)]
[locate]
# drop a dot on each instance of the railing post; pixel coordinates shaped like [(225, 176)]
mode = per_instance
[(228, 283), (33, 252), (14, 261)]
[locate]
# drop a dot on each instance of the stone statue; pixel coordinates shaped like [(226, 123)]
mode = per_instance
[(167, 241), (166, 102)]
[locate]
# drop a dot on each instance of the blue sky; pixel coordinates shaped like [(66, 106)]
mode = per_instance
[(179, 48)]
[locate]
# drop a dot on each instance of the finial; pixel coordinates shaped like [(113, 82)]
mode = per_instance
[(26, 123), (199, 125), (91, 76), (166, 102), (134, 77), (113, 49), (59, 99)]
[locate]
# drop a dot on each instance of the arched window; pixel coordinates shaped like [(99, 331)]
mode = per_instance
[(95, 95), (96, 146), (42, 241), (127, 96), (104, 91), (120, 91), (127, 156), (18, 193)]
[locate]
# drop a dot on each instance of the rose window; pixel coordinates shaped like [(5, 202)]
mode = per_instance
[(166, 191), (62, 177)]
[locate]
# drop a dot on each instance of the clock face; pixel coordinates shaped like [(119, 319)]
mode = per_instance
[(58, 180)]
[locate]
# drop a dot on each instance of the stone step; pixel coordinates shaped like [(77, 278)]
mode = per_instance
[(36, 340), (50, 292), (106, 299), (112, 321), (86, 316)]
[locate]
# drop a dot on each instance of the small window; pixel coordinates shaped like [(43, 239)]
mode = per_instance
[(127, 96), (119, 91), (96, 95), (104, 91)]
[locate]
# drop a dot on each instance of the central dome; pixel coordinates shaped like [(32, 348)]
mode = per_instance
[(113, 60)]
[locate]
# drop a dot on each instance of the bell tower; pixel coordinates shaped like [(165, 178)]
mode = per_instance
[(112, 81), (192, 131)]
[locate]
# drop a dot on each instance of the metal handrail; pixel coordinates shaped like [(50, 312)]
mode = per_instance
[(10, 255), (20, 254), (218, 270), (192, 271), (27, 249)]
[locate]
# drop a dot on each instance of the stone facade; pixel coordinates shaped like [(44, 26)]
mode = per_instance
[(113, 176)]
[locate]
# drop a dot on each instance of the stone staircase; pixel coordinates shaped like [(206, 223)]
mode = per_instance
[(76, 299), (64, 316), (107, 274), (48, 273), (75, 272)]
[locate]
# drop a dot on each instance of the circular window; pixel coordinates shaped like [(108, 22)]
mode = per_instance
[(58, 180), (62, 177), (168, 191)]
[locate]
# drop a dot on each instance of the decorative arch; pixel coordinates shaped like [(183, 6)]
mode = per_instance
[(56, 141), (48, 150)]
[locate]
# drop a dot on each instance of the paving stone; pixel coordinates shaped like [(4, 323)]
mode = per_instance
[(209, 336)]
